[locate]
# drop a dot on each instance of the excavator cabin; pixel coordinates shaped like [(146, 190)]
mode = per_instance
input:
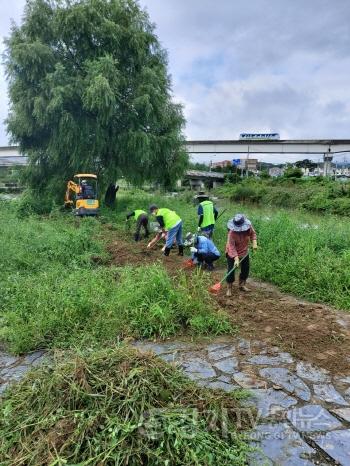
[(84, 191)]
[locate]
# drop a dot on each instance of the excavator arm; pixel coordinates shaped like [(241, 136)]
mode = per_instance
[(71, 188)]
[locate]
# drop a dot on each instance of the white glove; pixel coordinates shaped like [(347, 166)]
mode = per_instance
[(193, 250), (236, 263)]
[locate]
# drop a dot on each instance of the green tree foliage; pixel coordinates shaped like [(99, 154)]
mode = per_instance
[(292, 172), (89, 91), (306, 163)]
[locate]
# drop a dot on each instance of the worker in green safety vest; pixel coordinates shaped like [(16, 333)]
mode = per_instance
[(141, 218), (207, 214), (169, 221)]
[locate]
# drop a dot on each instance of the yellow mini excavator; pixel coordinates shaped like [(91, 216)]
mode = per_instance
[(85, 194)]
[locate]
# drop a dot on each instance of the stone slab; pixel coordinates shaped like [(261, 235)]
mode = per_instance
[(314, 374), (313, 418), (224, 378), (327, 392), (343, 413), (264, 360), (3, 387), (215, 346), (7, 360), (218, 384), (270, 402), (229, 366), (162, 348), (221, 353), (32, 358), (17, 372), (287, 380), (337, 445), (280, 446), (243, 346), (248, 381), (198, 368)]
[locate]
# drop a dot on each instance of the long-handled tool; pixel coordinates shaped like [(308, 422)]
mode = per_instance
[(217, 218), (217, 287)]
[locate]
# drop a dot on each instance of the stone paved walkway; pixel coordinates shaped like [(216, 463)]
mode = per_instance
[(303, 412)]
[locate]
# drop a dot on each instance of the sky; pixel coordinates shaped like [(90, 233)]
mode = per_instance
[(248, 66)]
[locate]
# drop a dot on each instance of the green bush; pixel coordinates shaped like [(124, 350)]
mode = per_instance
[(31, 202)]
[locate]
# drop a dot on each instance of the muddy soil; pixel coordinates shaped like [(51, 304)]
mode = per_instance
[(310, 331)]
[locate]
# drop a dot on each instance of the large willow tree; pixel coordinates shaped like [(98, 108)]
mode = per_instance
[(89, 91)]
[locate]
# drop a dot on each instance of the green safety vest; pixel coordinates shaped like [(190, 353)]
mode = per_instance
[(208, 214), (170, 218), (138, 213)]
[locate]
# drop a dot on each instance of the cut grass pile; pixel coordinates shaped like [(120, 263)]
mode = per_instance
[(118, 407), (84, 307)]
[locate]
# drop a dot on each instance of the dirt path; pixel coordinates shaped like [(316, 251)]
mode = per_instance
[(311, 332)]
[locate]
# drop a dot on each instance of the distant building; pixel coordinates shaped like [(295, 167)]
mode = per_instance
[(243, 164), (249, 164), (276, 171), (199, 180), (223, 164)]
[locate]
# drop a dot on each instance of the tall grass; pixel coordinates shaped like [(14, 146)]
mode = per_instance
[(304, 254), (32, 244)]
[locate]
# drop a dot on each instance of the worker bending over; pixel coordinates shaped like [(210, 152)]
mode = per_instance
[(240, 233), (141, 218), (204, 251), (169, 221), (207, 216)]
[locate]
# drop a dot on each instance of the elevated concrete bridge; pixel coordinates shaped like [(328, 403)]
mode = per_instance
[(327, 147), (265, 146)]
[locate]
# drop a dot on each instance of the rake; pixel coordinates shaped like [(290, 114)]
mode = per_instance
[(221, 213), (217, 287)]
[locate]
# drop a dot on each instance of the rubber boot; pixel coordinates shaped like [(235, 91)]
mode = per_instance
[(229, 290), (242, 286), (166, 251), (181, 251)]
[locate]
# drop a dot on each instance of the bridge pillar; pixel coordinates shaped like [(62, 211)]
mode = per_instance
[(327, 163)]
